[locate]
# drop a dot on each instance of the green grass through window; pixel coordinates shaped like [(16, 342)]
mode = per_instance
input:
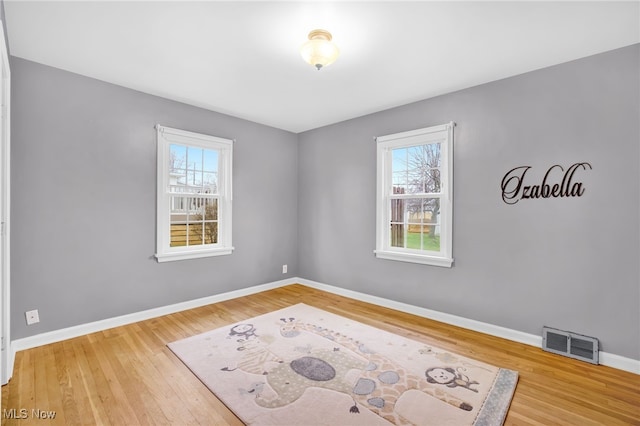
[(429, 243)]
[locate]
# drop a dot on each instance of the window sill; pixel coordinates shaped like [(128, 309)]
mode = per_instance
[(196, 254), (414, 258)]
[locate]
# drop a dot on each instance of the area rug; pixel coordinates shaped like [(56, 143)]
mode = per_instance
[(305, 366)]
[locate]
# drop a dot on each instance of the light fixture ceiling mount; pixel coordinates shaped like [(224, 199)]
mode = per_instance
[(319, 50)]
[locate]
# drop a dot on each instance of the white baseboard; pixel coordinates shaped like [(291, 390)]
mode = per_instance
[(608, 359), (605, 358), (92, 327), (619, 362)]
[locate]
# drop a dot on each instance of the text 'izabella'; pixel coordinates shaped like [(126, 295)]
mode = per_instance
[(563, 183)]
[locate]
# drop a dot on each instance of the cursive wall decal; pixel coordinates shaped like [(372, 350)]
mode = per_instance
[(514, 189)]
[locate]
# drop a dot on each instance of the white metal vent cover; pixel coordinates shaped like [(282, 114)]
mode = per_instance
[(570, 344)]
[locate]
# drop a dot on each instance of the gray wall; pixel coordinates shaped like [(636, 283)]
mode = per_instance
[(570, 263), (84, 193), (83, 203)]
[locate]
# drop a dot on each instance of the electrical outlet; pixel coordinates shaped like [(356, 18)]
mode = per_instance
[(32, 317), (284, 269)]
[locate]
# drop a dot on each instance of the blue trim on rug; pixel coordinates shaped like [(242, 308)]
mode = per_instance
[(497, 403)]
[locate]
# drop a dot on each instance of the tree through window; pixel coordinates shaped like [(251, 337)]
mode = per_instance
[(414, 195)]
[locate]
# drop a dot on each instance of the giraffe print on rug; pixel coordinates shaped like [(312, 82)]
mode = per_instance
[(381, 381)]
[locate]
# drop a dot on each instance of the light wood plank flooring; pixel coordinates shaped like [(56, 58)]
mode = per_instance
[(127, 375)]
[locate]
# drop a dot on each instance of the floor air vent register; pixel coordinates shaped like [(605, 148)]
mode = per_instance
[(570, 344)]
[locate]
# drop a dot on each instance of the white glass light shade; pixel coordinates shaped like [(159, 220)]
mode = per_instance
[(319, 51)]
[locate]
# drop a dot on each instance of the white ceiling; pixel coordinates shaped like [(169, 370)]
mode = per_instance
[(241, 58)]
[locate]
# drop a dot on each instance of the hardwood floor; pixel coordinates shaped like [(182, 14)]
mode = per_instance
[(127, 375)]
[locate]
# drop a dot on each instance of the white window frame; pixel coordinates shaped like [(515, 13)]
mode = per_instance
[(165, 137), (442, 134)]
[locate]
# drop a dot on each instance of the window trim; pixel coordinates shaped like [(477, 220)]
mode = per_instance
[(384, 146), (165, 137)]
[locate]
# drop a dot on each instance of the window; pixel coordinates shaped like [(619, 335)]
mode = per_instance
[(414, 196), (194, 195)]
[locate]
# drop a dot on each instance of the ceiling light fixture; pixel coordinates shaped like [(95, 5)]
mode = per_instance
[(319, 51)]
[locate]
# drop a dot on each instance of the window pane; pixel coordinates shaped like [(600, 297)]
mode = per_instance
[(210, 183), (178, 235), (416, 169), (210, 161), (203, 232), (193, 170), (430, 164), (177, 157), (204, 222), (211, 209), (194, 158), (399, 160), (430, 154), (211, 232), (415, 223), (432, 180), (193, 221), (194, 181), (399, 171), (415, 237), (397, 235), (397, 223), (431, 221), (195, 234)]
